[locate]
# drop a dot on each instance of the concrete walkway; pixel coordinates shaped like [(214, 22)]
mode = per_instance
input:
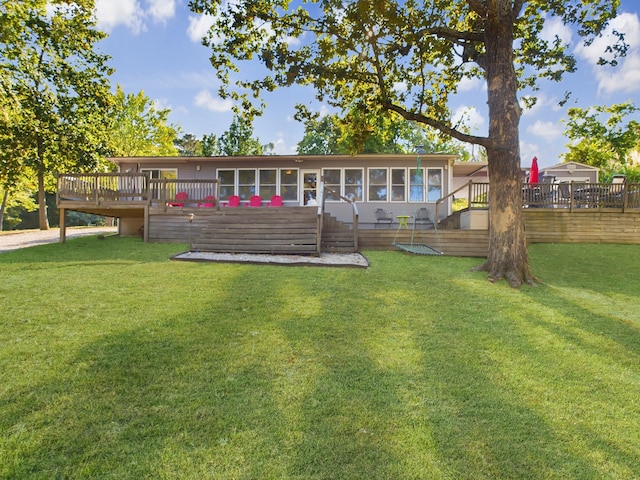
[(30, 238)]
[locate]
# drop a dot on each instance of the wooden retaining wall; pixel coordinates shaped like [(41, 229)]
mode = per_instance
[(581, 226), (457, 243)]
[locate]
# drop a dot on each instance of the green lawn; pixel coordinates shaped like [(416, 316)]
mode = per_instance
[(117, 363)]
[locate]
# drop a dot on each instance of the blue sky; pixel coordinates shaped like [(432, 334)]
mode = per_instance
[(155, 47)]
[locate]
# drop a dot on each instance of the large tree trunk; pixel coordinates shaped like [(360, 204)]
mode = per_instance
[(508, 256), (43, 220)]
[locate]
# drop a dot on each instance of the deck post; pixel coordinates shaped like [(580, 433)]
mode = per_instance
[(145, 236), (63, 226)]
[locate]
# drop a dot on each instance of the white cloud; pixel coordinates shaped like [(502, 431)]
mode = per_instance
[(469, 117), (626, 76), (543, 103), (467, 84), (161, 10), (112, 13), (546, 130), (131, 14), (215, 104), (199, 26), (553, 28)]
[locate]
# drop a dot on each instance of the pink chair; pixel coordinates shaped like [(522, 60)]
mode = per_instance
[(209, 202), (234, 201), (255, 201), (181, 197), (276, 201)]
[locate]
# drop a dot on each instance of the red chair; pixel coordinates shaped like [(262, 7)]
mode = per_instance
[(234, 201), (181, 196), (209, 202), (255, 201), (276, 201)]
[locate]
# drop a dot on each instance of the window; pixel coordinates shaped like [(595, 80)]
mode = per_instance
[(289, 184), (353, 184), (246, 184), (332, 180), (162, 173), (378, 185), (398, 184), (268, 179), (416, 185), (227, 183), (434, 184)]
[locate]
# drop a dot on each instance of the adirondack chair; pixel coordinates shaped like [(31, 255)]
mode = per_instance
[(180, 198), (255, 201), (383, 216), (234, 201), (276, 201)]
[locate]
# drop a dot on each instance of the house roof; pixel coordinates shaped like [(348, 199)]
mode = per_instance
[(571, 166), (470, 169), (270, 158)]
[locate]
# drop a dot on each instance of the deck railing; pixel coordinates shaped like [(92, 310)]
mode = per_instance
[(183, 192), (122, 188), (103, 187), (573, 195)]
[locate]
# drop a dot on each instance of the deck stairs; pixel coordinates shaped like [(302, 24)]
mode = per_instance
[(337, 237), (291, 230)]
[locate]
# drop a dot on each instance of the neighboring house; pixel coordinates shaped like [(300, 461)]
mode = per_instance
[(392, 181), (572, 172)]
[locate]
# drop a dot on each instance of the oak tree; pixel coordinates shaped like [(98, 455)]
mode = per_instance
[(409, 57)]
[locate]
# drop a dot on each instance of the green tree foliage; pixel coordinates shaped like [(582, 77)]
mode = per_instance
[(49, 66), (409, 57), (139, 129), (331, 134), (238, 140), (188, 145), (209, 145), (603, 137)]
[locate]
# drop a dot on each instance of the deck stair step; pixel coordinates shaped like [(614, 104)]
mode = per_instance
[(291, 230)]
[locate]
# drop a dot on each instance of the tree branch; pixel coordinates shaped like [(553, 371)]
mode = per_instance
[(478, 6), (452, 132)]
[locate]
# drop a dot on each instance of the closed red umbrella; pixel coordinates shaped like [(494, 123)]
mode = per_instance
[(533, 173)]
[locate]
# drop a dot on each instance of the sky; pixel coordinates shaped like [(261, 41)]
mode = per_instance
[(155, 48)]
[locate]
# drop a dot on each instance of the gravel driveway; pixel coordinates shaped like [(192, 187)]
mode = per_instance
[(31, 238)]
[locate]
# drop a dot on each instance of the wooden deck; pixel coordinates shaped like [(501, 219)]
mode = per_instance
[(601, 214)]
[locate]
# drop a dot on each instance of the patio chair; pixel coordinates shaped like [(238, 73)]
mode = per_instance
[(422, 216), (383, 216), (255, 201), (209, 202), (180, 198), (276, 201), (234, 201)]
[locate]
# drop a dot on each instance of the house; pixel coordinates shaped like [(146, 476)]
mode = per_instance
[(389, 181)]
